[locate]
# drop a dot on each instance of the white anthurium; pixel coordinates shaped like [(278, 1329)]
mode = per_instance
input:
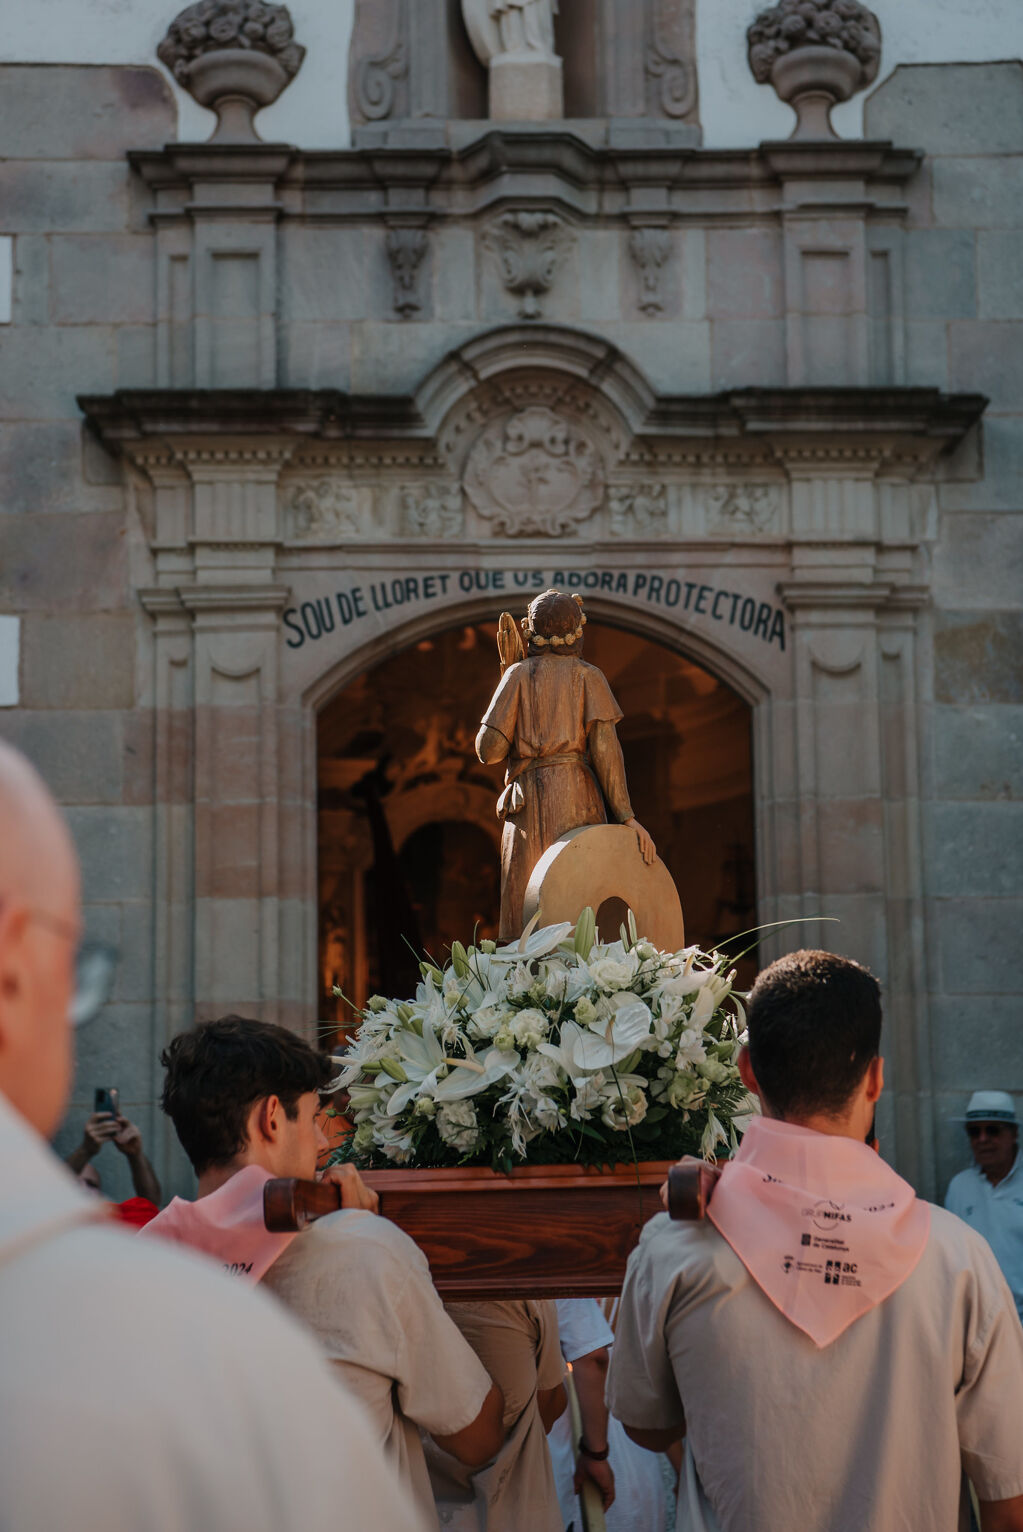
[(583, 1050), (469, 1076), (533, 944)]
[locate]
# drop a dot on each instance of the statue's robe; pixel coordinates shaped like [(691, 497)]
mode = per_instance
[(557, 716)]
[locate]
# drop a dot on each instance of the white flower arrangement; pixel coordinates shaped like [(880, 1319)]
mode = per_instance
[(556, 1048)]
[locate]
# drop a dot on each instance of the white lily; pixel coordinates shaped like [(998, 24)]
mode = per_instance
[(471, 1075), (421, 1057)]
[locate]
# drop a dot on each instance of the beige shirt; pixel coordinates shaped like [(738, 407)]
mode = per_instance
[(864, 1435), (518, 1345), (141, 1388), (365, 1289)]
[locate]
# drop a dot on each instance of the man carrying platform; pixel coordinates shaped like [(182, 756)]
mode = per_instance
[(243, 1096), (836, 1354)]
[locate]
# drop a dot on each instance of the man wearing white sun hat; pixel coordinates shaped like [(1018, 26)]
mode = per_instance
[(989, 1196)]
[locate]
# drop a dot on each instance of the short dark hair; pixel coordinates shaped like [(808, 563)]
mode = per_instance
[(814, 1026), (218, 1070)]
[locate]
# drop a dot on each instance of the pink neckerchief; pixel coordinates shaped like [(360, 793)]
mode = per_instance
[(821, 1223), (227, 1225)]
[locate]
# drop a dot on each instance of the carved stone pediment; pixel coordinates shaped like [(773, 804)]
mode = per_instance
[(535, 474)]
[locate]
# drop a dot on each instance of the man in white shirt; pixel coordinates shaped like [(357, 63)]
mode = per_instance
[(989, 1196), (243, 1096), (835, 1353), (205, 1406)]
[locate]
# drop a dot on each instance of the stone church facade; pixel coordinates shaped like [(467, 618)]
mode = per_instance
[(272, 416)]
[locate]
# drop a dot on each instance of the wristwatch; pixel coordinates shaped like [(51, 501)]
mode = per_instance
[(595, 1457)]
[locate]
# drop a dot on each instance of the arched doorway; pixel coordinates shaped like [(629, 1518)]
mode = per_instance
[(408, 838)]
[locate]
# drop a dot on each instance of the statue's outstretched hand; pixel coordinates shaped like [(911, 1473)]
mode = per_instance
[(648, 850)]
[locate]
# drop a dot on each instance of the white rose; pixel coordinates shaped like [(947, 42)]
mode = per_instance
[(585, 1011), (488, 1020), (529, 1028), (623, 1107), (614, 973), (456, 1124)]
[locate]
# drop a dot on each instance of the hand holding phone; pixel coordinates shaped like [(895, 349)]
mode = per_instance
[(107, 1098)]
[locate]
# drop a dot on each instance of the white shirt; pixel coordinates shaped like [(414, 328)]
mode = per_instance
[(996, 1212), (142, 1388), (640, 1503), (364, 1289), (866, 1434)]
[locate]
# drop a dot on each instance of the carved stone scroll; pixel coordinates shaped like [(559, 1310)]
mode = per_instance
[(379, 59), (528, 247), (535, 475), (670, 59)]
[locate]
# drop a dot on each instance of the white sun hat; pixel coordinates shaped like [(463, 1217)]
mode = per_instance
[(990, 1106)]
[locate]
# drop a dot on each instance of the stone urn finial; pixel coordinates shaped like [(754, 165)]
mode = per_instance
[(235, 56), (815, 53)]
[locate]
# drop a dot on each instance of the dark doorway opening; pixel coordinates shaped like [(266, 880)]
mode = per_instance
[(408, 838)]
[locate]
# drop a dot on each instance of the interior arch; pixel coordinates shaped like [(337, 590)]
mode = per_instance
[(397, 777)]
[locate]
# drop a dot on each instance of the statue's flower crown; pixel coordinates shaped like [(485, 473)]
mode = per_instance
[(557, 640)]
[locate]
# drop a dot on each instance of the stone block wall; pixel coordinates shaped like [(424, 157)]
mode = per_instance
[(964, 325), (71, 547)]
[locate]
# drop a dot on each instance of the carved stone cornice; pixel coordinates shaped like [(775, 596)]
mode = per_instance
[(131, 415), (587, 169), (804, 427)]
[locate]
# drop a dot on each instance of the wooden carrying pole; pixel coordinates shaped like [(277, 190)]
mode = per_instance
[(290, 1205)]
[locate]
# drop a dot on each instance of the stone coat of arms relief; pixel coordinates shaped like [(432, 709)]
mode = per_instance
[(534, 475)]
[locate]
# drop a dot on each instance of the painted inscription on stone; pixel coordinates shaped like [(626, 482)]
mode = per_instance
[(314, 619)]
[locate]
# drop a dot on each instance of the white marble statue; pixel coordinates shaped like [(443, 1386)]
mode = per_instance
[(510, 26)]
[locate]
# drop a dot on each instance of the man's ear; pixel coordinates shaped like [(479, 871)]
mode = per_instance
[(265, 1122), (746, 1074), (13, 972), (875, 1078)]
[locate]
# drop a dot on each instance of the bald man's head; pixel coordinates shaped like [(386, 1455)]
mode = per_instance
[(39, 929)]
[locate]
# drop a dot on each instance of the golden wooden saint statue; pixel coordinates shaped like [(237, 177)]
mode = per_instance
[(553, 719)]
